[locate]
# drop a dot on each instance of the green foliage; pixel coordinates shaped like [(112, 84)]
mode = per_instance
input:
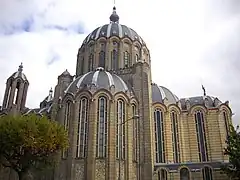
[(30, 141), (233, 151)]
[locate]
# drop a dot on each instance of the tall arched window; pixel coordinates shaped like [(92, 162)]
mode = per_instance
[(201, 136), (114, 59), (120, 130), (207, 173), (102, 59), (162, 174), (66, 121), (90, 62), (184, 174), (226, 123), (159, 136), (102, 130), (82, 128), (175, 137), (135, 134), (127, 59)]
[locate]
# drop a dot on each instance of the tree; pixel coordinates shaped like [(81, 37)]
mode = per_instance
[(233, 152), (30, 142)]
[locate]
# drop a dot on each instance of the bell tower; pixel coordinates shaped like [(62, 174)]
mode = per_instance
[(16, 92)]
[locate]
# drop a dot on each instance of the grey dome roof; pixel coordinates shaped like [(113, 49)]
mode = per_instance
[(159, 93), (113, 29), (99, 79), (19, 73)]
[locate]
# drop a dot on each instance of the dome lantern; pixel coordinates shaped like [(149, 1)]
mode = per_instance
[(114, 18)]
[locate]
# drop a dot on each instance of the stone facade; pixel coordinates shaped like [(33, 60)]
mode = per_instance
[(114, 112)]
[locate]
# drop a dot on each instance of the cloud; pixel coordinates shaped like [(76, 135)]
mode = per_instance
[(191, 42), (25, 16)]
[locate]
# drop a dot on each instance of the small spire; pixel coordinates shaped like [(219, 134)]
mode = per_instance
[(114, 18), (49, 98), (204, 90), (20, 67)]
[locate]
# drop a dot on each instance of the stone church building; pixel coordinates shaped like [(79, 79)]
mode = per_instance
[(122, 125)]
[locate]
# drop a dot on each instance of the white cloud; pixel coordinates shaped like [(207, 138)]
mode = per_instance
[(191, 42)]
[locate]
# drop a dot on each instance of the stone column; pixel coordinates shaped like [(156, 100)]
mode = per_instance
[(20, 96), (12, 94), (129, 144), (91, 154), (7, 94), (111, 160)]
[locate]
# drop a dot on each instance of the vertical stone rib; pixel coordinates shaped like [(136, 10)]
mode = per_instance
[(129, 144), (12, 94), (91, 154), (111, 160), (6, 95), (20, 95)]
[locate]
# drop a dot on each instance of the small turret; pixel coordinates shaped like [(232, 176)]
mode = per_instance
[(16, 91)]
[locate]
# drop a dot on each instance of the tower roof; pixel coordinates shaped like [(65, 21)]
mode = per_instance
[(19, 73)]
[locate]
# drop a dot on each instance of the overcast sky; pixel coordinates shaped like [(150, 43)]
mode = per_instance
[(192, 42)]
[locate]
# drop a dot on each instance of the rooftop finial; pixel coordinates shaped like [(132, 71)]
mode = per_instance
[(204, 90), (114, 18), (20, 68)]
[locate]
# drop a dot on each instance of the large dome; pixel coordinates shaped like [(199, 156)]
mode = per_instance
[(113, 29), (99, 79), (112, 46)]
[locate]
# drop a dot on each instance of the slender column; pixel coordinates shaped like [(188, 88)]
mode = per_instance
[(91, 154), (129, 143), (6, 95), (20, 95), (12, 94), (112, 143)]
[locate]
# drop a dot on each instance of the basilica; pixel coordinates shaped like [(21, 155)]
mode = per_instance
[(121, 125)]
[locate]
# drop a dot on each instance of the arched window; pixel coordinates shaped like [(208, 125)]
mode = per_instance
[(16, 93), (66, 121), (184, 174), (135, 134), (90, 62), (162, 174), (175, 137), (120, 130), (82, 128), (127, 59), (136, 57), (207, 173), (102, 131), (159, 136), (114, 59), (226, 123), (102, 59), (201, 136)]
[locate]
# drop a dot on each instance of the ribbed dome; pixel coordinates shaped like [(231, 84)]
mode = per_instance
[(113, 29), (99, 79), (159, 93)]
